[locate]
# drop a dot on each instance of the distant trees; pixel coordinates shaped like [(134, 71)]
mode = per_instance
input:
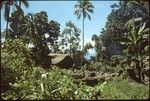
[(69, 43), (97, 46), (87, 47), (70, 38)]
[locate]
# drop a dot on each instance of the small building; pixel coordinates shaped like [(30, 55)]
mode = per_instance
[(61, 60)]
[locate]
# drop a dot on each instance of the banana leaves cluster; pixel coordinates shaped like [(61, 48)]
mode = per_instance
[(136, 40)]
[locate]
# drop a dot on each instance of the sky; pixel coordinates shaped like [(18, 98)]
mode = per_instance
[(63, 11)]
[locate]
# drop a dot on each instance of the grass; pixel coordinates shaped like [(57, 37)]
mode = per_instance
[(123, 89)]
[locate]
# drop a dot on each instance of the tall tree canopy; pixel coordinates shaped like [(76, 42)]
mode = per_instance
[(36, 30), (70, 38), (121, 13), (83, 8)]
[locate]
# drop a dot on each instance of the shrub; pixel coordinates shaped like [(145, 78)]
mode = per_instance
[(104, 68), (48, 85), (55, 85), (41, 84), (15, 60)]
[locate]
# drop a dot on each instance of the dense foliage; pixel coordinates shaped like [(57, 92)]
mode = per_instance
[(15, 61), (38, 32), (121, 49), (115, 26), (126, 33), (70, 38), (56, 85)]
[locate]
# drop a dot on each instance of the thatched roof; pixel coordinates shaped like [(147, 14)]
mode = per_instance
[(56, 58), (61, 60)]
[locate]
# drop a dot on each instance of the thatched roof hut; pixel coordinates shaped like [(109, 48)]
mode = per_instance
[(61, 60)]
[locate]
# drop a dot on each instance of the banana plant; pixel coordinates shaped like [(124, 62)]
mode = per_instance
[(136, 42)]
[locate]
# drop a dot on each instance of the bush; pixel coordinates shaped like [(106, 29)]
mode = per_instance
[(105, 68), (42, 84), (48, 85), (55, 85), (15, 60)]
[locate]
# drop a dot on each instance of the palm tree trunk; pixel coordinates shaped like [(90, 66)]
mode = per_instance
[(83, 35), (70, 46), (83, 41), (7, 22), (20, 3)]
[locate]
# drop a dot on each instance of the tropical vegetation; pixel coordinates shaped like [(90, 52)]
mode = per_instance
[(119, 70)]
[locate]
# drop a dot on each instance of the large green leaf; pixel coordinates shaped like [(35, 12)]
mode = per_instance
[(130, 37), (19, 10), (134, 35), (141, 29), (146, 30), (147, 48), (138, 19), (131, 23)]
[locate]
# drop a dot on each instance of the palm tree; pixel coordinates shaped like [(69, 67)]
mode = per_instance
[(25, 2), (7, 5), (83, 8)]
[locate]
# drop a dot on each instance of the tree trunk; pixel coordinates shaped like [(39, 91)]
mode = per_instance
[(138, 66), (20, 3), (83, 35), (83, 41), (7, 22), (6, 37)]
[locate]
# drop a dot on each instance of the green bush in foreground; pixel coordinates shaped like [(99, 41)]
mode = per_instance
[(55, 85), (15, 60), (50, 84)]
